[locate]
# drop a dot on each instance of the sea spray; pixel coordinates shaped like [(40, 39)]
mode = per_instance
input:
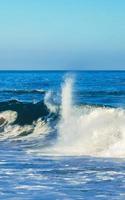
[(66, 99), (89, 130), (49, 102), (66, 127)]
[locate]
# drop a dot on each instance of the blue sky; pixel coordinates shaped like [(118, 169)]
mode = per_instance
[(67, 34)]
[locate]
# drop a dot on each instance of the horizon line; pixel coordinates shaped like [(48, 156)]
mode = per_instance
[(26, 70)]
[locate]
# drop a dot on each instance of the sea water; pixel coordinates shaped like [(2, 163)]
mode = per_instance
[(62, 135)]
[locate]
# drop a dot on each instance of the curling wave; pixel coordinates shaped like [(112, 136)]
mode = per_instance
[(26, 112), (9, 131)]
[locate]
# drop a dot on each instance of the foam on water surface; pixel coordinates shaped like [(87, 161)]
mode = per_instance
[(88, 130)]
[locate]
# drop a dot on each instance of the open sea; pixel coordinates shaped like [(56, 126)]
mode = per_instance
[(62, 135)]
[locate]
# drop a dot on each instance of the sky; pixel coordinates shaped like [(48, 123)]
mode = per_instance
[(62, 34)]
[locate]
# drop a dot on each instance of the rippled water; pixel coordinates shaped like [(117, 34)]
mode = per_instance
[(30, 177)]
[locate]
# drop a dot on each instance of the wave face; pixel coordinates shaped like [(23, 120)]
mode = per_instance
[(23, 121), (26, 112), (52, 128)]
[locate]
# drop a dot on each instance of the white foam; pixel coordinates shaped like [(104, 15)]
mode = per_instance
[(48, 100), (89, 130), (11, 131), (9, 116)]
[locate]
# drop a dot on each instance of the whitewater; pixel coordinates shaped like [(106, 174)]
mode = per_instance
[(89, 130), (81, 130)]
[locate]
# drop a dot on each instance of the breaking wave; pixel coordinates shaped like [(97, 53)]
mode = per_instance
[(88, 130), (67, 129), (26, 112)]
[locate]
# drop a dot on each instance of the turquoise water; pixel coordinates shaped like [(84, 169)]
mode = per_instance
[(62, 139)]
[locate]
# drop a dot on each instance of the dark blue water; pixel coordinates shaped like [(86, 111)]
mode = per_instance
[(97, 87), (27, 171)]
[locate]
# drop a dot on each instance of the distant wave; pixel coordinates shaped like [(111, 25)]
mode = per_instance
[(80, 93), (15, 91), (101, 93)]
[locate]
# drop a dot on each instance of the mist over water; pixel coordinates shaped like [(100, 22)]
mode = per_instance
[(66, 99)]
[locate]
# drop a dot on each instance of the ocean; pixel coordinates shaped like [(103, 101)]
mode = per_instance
[(62, 135)]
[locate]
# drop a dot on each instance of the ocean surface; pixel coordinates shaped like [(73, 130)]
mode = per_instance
[(62, 135)]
